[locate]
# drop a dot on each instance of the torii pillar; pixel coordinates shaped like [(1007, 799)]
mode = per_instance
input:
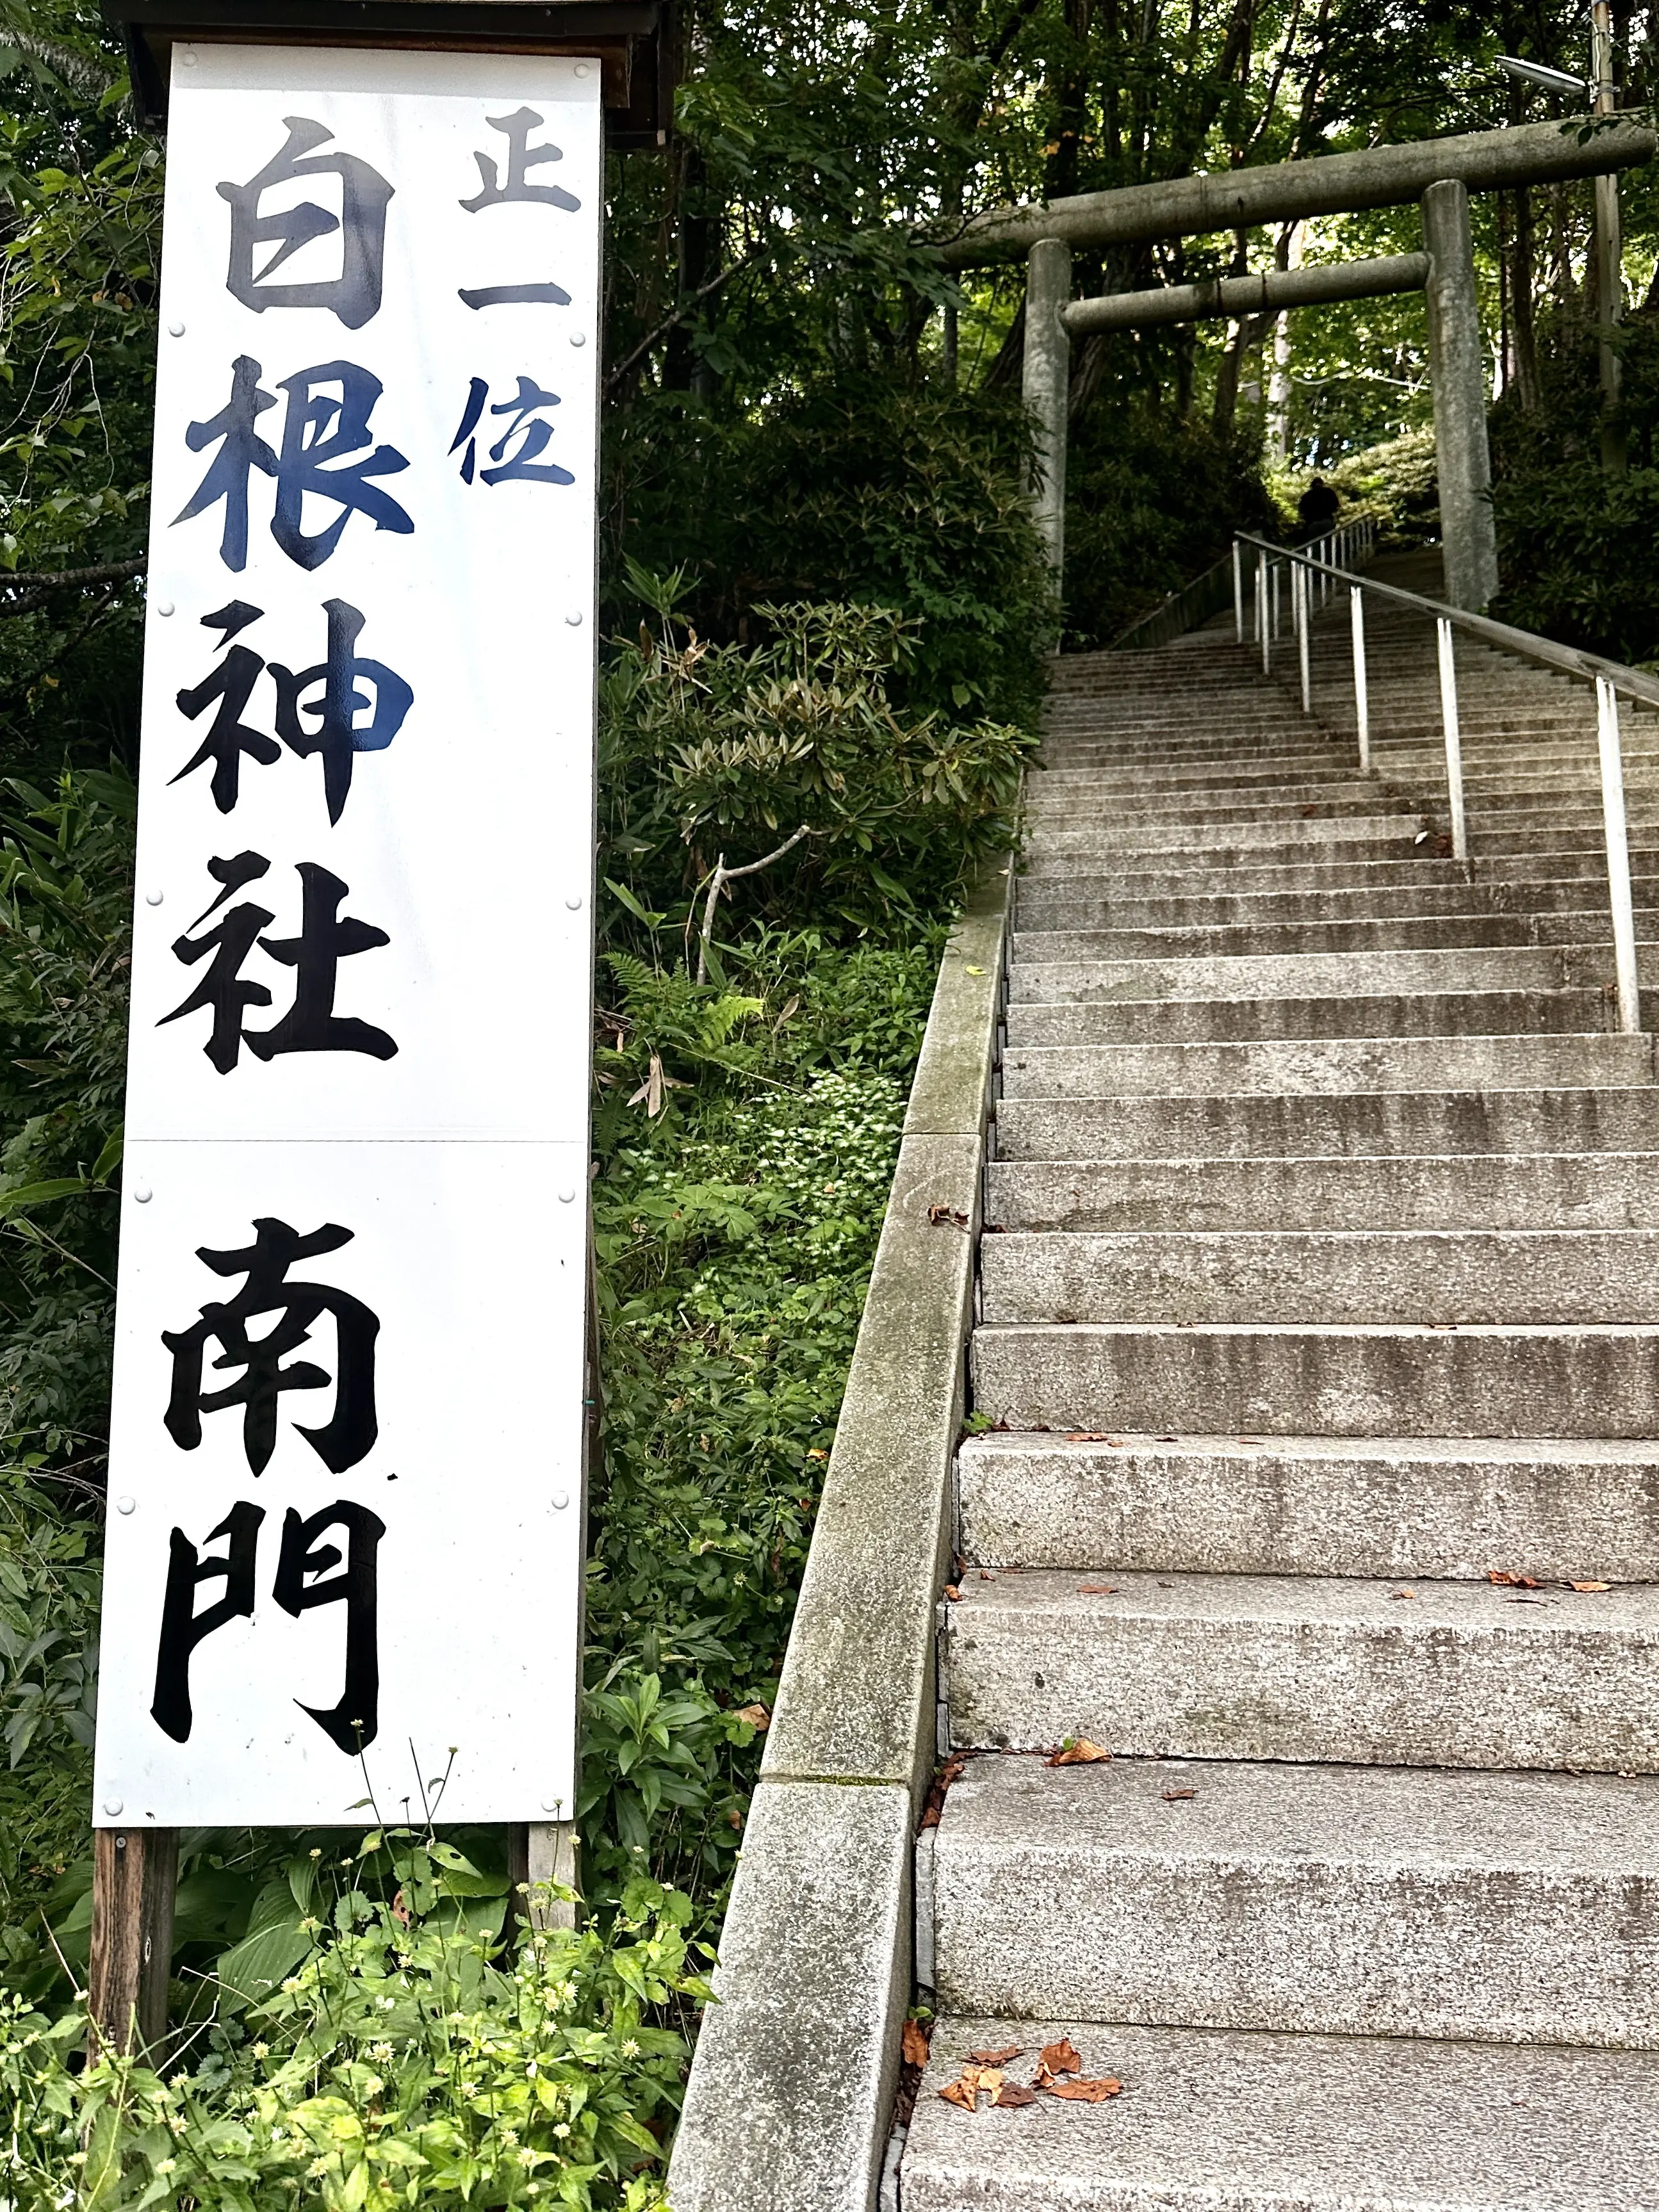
[(1457, 373), (1046, 389)]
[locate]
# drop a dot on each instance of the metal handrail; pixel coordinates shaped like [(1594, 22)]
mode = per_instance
[(1310, 575), (1590, 666)]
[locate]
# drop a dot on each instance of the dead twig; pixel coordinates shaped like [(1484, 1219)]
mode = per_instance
[(722, 876)]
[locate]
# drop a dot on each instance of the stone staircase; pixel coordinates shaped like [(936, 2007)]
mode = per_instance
[(1320, 1286)]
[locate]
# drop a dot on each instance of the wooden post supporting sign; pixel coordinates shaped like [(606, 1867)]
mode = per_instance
[(135, 1871)]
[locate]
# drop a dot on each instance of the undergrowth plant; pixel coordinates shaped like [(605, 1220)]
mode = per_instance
[(413, 2058)]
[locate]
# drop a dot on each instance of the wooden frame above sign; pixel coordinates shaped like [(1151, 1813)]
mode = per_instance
[(633, 41)]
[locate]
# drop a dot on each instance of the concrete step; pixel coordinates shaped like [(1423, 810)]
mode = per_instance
[(1323, 975), (1308, 1667), (1355, 1014), (1364, 1125), (1311, 1505), (1339, 1065), (1297, 783), (1608, 1191), (1170, 813), (1460, 1278), (1532, 809), (1370, 836), (1398, 757), (1044, 906), (1238, 2121), (1181, 876), (1050, 944), (1502, 1908), (1358, 1380), (1548, 836)]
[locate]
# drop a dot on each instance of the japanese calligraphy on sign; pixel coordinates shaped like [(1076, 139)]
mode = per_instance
[(345, 1485)]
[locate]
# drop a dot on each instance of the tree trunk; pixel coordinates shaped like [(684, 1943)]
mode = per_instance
[(1070, 90), (1243, 337), (1523, 327), (1278, 383), (697, 248), (1009, 363)]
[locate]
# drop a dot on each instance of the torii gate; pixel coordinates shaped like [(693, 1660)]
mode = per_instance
[(1439, 172)]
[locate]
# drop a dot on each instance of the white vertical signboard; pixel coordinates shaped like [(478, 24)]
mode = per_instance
[(345, 1528)]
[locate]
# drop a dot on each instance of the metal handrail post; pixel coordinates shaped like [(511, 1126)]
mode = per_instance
[(1362, 703), (1304, 641), (1238, 592), (1274, 580), (1262, 622), (1460, 828), (1618, 891)]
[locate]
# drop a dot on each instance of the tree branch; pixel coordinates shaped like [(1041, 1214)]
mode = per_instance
[(34, 587), (615, 376)]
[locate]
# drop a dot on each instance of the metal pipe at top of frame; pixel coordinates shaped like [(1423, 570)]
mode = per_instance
[(1331, 183), (1271, 289)]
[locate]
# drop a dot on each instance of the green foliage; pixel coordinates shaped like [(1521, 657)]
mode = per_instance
[(730, 750), (1578, 560), (1393, 485), (1577, 547), (78, 257), (65, 894), (403, 2058), (735, 1231), (1150, 503), (875, 493)]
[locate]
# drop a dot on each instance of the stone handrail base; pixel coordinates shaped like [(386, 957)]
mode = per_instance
[(791, 2089)]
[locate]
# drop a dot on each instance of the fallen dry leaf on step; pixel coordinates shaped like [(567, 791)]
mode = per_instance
[(1089, 1437), (1504, 1580), (1406, 1593), (1096, 1590), (1077, 1751), (952, 1591), (1060, 2057), (915, 2045), (1012, 2094), (996, 2057), (1086, 2093), (1174, 1796), (950, 1772), (959, 2093), (1586, 1587)]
